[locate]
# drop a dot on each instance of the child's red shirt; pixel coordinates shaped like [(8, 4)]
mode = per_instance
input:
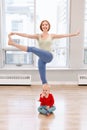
[(49, 101)]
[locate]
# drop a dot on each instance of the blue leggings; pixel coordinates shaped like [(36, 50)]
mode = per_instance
[(43, 110), (44, 57)]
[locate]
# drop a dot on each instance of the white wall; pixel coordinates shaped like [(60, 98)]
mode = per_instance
[(64, 76), (76, 43)]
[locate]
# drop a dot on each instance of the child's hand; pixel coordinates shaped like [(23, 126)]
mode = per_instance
[(43, 94)]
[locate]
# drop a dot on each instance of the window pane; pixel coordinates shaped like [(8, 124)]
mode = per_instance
[(56, 12), (18, 58), (19, 16), (85, 56)]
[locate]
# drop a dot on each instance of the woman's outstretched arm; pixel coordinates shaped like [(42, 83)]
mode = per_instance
[(32, 36), (55, 36)]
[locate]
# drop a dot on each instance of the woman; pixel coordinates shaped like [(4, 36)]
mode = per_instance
[(44, 51)]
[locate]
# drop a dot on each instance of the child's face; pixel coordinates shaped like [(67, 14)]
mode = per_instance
[(46, 90)]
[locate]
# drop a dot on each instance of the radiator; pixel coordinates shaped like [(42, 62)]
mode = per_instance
[(82, 79), (15, 79)]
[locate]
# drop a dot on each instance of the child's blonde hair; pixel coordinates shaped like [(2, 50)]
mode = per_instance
[(46, 86)]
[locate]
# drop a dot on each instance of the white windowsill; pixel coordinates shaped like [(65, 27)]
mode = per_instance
[(28, 67)]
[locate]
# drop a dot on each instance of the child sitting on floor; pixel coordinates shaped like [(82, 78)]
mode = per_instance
[(47, 101)]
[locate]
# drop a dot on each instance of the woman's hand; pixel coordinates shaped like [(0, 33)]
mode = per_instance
[(12, 33), (77, 33)]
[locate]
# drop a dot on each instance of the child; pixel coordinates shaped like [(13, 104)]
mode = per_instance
[(47, 101)]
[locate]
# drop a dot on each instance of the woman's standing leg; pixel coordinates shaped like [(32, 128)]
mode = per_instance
[(42, 71)]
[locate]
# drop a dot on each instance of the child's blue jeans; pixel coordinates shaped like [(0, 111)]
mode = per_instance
[(43, 110), (44, 57)]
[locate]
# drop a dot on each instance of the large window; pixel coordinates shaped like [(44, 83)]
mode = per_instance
[(25, 16), (85, 34)]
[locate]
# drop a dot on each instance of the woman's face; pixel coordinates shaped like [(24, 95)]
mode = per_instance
[(45, 26)]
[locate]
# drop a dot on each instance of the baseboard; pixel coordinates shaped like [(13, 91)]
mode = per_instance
[(57, 83)]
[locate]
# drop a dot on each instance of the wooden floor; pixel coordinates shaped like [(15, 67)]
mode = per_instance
[(18, 108)]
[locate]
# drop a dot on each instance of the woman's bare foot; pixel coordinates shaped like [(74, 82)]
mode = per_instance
[(10, 41)]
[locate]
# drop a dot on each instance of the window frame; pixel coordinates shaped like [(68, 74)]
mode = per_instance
[(85, 35)]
